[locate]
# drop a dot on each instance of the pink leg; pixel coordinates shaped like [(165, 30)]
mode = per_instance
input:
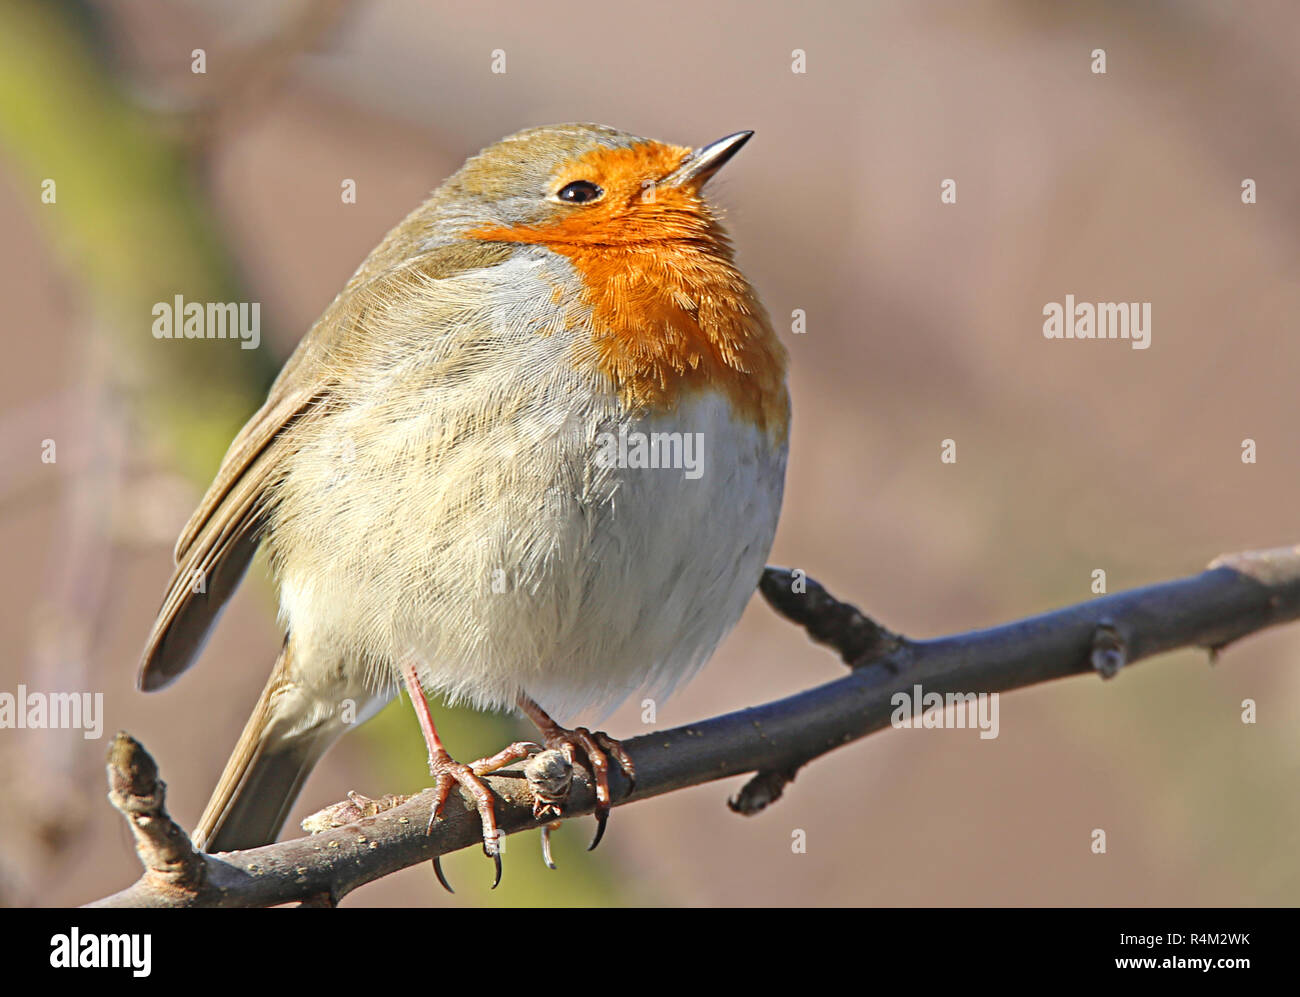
[(448, 772)]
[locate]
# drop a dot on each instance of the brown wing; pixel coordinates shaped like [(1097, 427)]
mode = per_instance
[(219, 541), (217, 544)]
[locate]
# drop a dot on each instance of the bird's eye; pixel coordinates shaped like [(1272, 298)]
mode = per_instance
[(580, 192)]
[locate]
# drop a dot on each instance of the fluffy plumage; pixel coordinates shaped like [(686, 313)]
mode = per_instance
[(424, 471)]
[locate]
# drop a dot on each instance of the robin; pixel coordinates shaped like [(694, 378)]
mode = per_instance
[(532, 455)]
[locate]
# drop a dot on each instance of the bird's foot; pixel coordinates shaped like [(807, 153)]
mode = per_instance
[(448, 772), (596, 748)]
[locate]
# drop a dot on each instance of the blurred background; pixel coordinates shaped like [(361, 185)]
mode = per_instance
[(924, 322)]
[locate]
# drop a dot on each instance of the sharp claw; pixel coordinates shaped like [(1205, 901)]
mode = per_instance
[(437, 870), (602, 818), (598, 747), (496, 857), (546, 847)]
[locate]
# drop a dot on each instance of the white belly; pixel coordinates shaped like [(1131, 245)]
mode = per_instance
[(469, 527), (522, 565), (662, 572)]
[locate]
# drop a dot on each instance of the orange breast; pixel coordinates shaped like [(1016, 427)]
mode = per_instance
[(672, 316)]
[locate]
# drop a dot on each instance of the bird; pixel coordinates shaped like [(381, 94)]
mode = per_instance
[(531, 457)]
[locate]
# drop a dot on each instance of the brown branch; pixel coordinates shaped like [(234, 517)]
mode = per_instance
[(1237, 595), (173, 869)]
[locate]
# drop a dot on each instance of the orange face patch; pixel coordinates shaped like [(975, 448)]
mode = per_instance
[(671, 313)]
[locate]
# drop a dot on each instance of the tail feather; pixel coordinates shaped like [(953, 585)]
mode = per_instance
[(265, 773)]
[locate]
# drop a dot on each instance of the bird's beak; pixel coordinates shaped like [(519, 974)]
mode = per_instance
[(706, 161)]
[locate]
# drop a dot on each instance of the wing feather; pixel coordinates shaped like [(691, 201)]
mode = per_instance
[(217, 544)]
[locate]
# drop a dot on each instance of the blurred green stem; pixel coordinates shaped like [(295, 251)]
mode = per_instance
[(129, 228)]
